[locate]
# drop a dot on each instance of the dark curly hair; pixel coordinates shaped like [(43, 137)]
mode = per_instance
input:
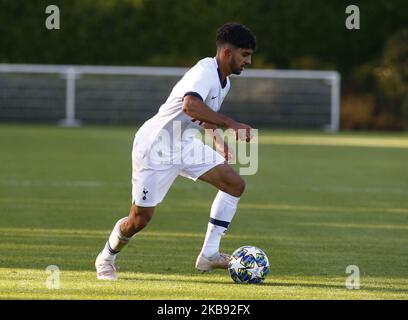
[(236, 34)]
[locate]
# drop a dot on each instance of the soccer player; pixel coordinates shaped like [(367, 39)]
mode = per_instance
[(163, 146)]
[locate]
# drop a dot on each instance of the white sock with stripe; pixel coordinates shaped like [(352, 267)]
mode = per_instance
[(115, 243), (222, 211)]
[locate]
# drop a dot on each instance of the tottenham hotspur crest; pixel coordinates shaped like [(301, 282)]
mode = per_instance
[(145, 192)]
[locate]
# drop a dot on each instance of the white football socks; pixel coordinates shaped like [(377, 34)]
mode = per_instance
[(115, 242), (222, 211)]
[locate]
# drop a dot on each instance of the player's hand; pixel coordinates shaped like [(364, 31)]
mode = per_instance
[(243, 131)]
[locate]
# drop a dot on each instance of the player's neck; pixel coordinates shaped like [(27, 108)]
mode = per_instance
[(224, 69)]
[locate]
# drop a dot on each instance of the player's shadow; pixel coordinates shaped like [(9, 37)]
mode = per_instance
[(269, 283), (230, 282)]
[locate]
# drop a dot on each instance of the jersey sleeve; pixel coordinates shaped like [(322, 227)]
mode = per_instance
[(198, 83)]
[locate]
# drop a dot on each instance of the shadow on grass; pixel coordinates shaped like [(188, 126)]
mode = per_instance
[(270, 283)]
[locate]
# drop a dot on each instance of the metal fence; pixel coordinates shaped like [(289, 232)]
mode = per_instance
[(124, 95)]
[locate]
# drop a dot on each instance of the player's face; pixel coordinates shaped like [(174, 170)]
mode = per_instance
[(240, 58)]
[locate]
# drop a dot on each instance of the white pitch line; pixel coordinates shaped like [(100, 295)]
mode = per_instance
[(39, 183), (336, 141)]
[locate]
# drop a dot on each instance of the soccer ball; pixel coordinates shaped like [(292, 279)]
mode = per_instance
[(248, 264)]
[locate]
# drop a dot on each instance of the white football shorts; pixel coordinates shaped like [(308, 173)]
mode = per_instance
[(153, 173)]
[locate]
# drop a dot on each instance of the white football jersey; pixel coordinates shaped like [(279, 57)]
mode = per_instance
[(204, 81)]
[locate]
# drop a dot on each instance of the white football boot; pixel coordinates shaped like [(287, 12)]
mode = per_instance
[(105, 269), (219, 261)]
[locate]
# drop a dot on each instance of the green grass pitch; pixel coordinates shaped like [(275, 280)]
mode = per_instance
[(318, 204)]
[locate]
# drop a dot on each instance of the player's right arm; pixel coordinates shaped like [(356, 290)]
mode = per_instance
[(198, 110)]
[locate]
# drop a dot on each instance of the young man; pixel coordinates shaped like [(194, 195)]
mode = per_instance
[(163, 146)]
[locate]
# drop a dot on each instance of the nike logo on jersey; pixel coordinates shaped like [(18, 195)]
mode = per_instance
[(212, 98)]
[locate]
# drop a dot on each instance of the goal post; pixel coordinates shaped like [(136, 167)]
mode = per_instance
[(71, 95), (289, 98)]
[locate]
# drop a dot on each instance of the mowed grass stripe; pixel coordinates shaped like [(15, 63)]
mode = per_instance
[(335, 140), (69, 204)]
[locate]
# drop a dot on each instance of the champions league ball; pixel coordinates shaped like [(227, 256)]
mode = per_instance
[(248, 264)]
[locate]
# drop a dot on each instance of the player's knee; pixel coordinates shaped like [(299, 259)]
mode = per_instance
[(238, 187)]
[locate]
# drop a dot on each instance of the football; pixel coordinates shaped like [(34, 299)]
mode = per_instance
[(248, 264)]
